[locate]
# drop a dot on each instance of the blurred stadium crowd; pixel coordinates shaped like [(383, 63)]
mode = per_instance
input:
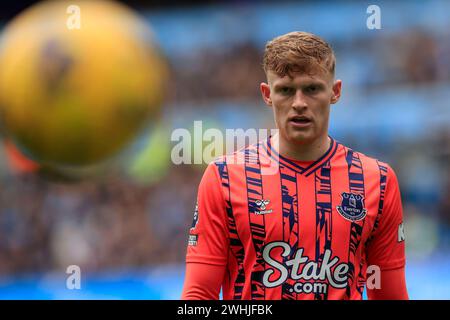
[(118, 222)]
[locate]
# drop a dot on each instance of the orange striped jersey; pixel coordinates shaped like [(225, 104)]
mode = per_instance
[(303, 231)]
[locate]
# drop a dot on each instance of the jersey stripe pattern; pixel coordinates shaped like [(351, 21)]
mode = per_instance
[(302, 231)]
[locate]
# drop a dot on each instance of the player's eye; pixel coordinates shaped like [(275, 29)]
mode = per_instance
[(312, 89), (286, 90)]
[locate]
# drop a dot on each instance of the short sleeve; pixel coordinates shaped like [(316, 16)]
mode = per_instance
[(386, 249), (208, 236)]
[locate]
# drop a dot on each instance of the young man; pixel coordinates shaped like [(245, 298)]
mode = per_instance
[(313, 228)]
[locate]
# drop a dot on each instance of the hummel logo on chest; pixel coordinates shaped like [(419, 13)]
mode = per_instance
[(262, 204)]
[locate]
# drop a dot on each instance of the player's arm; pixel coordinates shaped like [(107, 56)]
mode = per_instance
[(393, 286), (386, 249), (202, 281), (207, 251)]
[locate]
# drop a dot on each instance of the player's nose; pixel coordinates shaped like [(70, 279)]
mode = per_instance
[(299, 101)]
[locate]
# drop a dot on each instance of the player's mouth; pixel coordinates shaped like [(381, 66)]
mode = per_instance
[(300, 121)]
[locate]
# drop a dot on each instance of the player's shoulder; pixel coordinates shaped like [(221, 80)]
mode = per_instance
[(368, 162), (238, 157), (220, 167)]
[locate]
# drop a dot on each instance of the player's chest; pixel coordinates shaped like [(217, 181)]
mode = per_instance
[(311, 209)]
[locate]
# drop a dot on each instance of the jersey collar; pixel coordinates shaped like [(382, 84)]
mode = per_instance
[(305, 170)]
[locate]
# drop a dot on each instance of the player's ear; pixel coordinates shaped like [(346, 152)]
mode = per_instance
[(337, 86), (265, 92)]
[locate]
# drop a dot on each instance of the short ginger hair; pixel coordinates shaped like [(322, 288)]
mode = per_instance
[(298, 52)]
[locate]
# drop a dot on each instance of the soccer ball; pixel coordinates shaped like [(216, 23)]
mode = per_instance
[(79, 80)]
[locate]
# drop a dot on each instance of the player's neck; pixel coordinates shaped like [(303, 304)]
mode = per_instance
[(302, 152)]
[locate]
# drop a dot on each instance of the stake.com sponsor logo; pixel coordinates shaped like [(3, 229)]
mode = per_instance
[(328, 272)]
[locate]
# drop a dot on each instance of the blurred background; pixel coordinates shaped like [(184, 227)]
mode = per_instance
[(128, 230)]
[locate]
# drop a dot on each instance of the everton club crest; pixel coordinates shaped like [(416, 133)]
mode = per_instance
[(352, 206)]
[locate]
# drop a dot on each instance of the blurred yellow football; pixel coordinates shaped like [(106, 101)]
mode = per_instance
[(79, 80)]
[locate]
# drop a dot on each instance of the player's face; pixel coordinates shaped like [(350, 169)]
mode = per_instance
[(301, 104)]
